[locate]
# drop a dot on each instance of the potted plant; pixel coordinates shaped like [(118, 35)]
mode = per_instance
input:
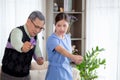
[(90, 63)]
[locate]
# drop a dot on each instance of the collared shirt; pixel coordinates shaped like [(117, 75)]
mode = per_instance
[(16, 41)]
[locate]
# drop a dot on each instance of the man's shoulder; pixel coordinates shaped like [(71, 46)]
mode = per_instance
[(16, 30)]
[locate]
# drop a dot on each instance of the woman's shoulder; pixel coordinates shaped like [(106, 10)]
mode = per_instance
[(53, 37), (68, 35)]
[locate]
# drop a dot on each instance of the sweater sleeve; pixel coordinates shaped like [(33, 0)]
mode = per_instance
[(38, 52), (16, 39)]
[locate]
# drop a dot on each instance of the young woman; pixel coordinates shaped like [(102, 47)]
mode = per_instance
[(60, 51)]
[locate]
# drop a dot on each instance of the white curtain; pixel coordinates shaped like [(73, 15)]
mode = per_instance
[(103, 29), (14, 13)]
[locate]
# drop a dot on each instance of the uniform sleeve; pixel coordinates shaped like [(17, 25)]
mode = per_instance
[(16, 39), (52, 43)]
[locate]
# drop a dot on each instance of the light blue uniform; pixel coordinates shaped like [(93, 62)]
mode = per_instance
[(59, 66)]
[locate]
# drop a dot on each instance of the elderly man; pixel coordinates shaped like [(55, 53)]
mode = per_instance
[(22, 44)]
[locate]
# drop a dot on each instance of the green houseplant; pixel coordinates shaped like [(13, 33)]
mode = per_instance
[(90, 63)]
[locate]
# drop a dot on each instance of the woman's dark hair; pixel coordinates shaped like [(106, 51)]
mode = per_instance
[(62, 16)]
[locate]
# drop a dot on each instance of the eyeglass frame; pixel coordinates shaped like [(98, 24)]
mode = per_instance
[(37, 27)]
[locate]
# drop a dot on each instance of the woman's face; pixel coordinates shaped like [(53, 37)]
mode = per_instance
[(61, 27)]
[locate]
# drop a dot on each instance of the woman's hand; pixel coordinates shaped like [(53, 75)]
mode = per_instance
[(77, 59)]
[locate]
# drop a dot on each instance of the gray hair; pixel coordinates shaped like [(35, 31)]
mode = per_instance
[(36, 14)]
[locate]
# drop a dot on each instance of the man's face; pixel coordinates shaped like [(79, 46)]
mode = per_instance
[(36, 27)]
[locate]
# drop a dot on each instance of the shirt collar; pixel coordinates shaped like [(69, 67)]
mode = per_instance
[(25, 27)]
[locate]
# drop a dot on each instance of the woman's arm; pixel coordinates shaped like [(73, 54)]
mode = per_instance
[(75, 58)]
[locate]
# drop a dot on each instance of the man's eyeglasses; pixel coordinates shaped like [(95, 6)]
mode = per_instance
[(38, 27)]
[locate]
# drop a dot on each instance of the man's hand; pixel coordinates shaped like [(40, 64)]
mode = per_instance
[(40, 60), (26, 47)]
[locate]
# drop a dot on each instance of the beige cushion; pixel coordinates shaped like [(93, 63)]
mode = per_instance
[(76, 75), (35, 66), (38, 74)]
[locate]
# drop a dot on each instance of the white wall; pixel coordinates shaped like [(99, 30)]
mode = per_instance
[(14, 13), (103, 22)]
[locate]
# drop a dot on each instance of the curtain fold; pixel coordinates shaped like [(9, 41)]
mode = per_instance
[(118, 58), (103, 22)]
